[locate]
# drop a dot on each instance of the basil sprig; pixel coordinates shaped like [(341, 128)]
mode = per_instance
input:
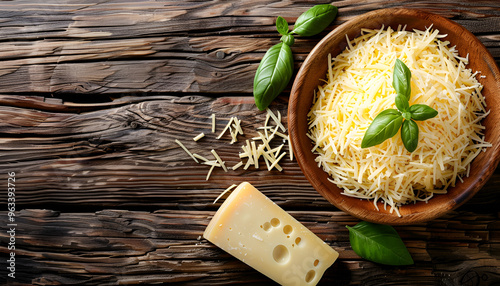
[(276, 67), (387, 123), (315, 20), (379, 243)]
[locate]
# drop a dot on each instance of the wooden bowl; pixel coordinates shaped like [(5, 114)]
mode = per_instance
[(314, 68)]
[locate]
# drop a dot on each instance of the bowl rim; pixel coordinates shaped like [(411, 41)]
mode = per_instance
[(434, 207)]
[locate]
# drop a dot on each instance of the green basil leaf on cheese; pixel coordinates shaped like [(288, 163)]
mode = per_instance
[(409, 135), (402, 103), (401, 79), (421, 112), (385, 125)]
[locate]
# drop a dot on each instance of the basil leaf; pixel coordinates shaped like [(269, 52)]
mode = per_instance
[(379, 243), (315, 20), (385, 125), (288, 39), (402, 102), (273, 74), (282, 25), (421, 112), (409, 135), (401, 79), (407, 115)]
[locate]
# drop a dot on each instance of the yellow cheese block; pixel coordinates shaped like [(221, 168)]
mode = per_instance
[(255, 230)]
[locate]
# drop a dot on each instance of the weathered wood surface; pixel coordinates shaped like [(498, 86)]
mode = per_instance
[(92, 97), (112, 163), (121, 247), (178, 46), (125, 154)]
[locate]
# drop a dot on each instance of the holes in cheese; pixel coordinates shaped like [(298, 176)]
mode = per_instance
[(275, 222), (310, 275), (252, 228), (297, 241), (266, 226), (281, 254), (287, 229), (316, 262)]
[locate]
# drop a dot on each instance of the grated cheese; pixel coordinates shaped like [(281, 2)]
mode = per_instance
[(212, 163), (219, 160), (213, 122), (255, 155), (251, 150), (228, 125), (186, 150), (358, 86), (249, 163), (275, 163), (199, 136), (209, 172), (224, 192), (239, 164), (234, 127), (200, 157), (276, 120)]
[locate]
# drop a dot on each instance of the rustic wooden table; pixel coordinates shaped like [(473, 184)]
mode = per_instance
[(93, 95)]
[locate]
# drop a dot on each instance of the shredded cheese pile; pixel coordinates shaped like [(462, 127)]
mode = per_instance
[(253, 150), (359, 86)]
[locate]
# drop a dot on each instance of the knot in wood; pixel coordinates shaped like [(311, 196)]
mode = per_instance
[(135, 125), (471, 278), (220, 54), (95, 141)]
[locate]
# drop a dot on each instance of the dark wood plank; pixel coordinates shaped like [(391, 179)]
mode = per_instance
[(119, 246), (124, 154), (92, 101), (143, 46)]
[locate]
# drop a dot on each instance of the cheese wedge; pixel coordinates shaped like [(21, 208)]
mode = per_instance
[(252, 228)]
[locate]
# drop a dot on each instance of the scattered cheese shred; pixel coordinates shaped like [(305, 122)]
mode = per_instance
[(239, 164), (224, 192), (237, 126), (255, 155), (212, 163), (199, 136), (219, 160), (249, 163), (251, 150), (200, 157), (228, 125), (234, 127), (275, 163), (276, 120), (186, 150), (210, 172), (359, 86), (213, 122)]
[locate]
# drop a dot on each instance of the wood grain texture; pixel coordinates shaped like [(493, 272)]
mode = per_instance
[(112, 247), (111, 47), (125, 155), (93, 95)]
